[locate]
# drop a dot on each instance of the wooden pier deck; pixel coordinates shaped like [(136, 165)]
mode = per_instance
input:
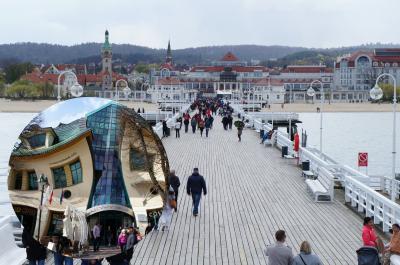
[(252, 192)]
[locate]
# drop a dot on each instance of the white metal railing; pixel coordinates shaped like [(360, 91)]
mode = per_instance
[(282, 140), (386, 184), (269, 116), (372, 203)]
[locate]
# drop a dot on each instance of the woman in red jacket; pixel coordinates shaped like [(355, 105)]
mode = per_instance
[(368, 234)]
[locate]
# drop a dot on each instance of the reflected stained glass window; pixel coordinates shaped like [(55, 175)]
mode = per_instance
[(109, 188)]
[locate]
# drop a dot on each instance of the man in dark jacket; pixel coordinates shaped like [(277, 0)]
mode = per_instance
[(174, 182), (195, 185)]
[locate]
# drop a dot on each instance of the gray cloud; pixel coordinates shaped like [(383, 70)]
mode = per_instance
[(309, 23)]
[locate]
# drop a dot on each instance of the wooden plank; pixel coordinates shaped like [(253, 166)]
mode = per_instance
[(252, 192)]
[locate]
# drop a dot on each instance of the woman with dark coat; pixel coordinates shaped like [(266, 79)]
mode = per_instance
[(35, 253)]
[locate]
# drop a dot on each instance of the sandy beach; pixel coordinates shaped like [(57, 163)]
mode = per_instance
[(39, 105)]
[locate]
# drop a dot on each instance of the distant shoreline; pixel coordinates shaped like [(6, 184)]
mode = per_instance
[(28, 106)]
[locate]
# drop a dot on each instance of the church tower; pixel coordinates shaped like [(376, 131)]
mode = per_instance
[(168, 59), (106, 56)]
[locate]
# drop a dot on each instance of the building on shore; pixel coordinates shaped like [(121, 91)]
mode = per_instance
[(101, 84), (228, 77), (107, 164), (355, 74)]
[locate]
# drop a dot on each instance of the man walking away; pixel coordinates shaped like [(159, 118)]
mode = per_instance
[(230, 121), (96, 237), (201, 126), (164, 128), (279, 253), (186, 120), (193, 123), (195, 185), (174, 182), (130, 243), (208, 123)]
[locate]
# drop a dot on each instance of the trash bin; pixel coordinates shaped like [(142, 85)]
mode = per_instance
[(284, 151), (305, 165), (261, 134)]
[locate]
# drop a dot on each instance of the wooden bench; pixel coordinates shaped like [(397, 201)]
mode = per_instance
[(321, 188)]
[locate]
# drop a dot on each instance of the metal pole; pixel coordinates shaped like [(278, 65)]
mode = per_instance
[(393, 197), (322, 102), (40, 212)]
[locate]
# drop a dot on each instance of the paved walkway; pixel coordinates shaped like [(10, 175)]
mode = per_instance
[(252, 192)]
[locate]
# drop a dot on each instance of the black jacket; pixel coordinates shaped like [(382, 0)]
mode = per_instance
[(196, 184), (174, 182), (34, 250)]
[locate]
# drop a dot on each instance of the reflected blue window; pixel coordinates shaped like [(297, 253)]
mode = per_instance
[(60, 179), (37, 140), (33, 181), (109, 186), (76, 171)]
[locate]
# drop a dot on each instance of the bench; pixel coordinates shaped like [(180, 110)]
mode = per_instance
[(307, 174), (321, 188)]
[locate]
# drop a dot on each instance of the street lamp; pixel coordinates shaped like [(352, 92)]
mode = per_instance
[(76, 88), (311, 93), (127, 91), (141, 90), (42, 183), (377, 93)]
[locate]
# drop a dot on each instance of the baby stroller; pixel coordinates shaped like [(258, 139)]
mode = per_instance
[(368, 256)]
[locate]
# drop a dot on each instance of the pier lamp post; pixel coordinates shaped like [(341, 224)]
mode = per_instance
[(311, 93), (127, 91), (377, 93), (146, 83), (43, 182), (76, 89)]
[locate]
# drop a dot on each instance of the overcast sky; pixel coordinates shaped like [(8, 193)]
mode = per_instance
[(308, 23)]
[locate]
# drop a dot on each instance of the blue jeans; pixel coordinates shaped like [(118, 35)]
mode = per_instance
[(36, 262), (196, 201), (62, 260)]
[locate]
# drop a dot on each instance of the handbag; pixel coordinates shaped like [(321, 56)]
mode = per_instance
[(172, 203), (51, 246)]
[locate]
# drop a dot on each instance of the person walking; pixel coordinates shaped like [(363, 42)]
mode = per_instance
[(96, 236), (195, 185), (305, 256), (166, 216), (193, 123), (225, 122), (201, 126), (207, 124), (186, 121), (279, 253), (178, 125), (63, 244), (130, 243), (35, 252), (239, 132), (174, 182), (230, 121), (122, 239), (164, 128)]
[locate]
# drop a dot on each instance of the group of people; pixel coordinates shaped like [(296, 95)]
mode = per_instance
[(370, 239), (195, 187), (281, 254)]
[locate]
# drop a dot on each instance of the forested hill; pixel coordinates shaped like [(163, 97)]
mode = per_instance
[(90, 52), (49, 53)]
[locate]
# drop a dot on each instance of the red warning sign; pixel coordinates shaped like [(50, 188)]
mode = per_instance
[(362, 159)]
